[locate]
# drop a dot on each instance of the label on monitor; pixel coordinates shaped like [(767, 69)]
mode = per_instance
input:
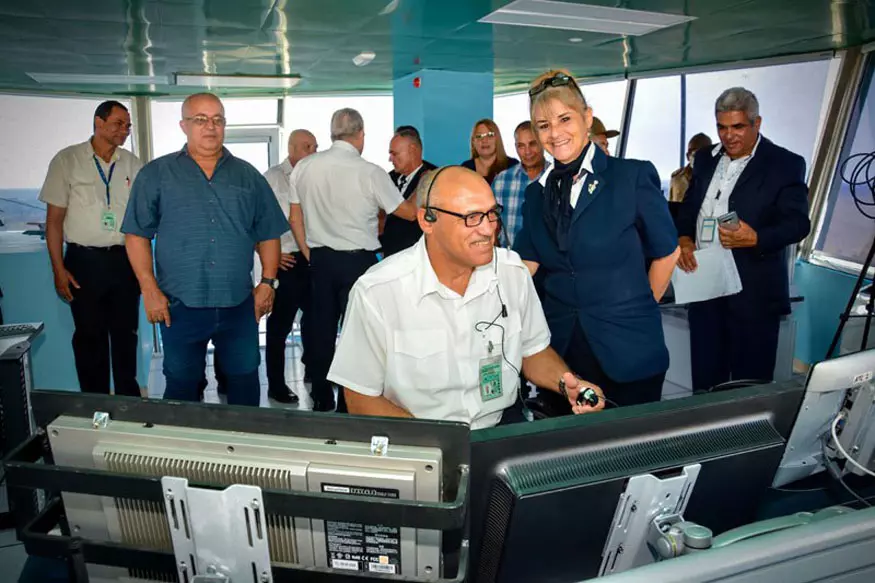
[(363, 547)]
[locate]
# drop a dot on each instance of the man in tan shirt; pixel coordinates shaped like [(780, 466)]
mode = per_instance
[(86, 193), (680, 179)]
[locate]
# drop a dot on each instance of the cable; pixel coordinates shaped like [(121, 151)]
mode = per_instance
[(842, 451), (861, 174), (835, 473)]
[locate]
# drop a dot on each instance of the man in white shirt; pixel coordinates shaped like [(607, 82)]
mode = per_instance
[(86, 193), (293, 293), (442, 329), (405, 154), (335, 198)]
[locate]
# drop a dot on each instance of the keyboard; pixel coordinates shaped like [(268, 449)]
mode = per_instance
[(17, 330)]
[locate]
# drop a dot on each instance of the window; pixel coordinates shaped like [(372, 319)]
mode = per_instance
[(36, 128), (605, 99), (655, 132), (314, 114), (845, 232), (790, 97)]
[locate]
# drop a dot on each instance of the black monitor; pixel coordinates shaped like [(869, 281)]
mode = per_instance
[(544, 494)]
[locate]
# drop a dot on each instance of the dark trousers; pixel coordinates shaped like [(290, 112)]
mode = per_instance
[(106, 311), (292, 295), (730, 340), (581, 359), (234, 333), (332, 275)]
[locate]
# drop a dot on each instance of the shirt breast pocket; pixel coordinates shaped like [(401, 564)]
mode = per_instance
[(238, 203), (84, 191), (419, 360)]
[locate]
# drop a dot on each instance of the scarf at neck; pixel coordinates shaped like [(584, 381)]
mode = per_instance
[(557, 198)]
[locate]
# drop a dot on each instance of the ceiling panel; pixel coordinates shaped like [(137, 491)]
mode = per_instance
[(317, 40)]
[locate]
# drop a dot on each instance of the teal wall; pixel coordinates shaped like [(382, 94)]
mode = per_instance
[(443, 108), (29, 296), (826, 293)]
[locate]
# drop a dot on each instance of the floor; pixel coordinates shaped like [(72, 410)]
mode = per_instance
[(12, 555)]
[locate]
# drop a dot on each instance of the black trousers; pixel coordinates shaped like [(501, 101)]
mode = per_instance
[(731, 340), (106, 317), (292, 295), (332, 275), (581, 359)]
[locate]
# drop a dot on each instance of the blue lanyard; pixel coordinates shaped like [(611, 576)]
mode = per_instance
[(103, 176)]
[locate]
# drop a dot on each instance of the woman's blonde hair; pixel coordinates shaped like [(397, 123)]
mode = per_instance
[(570, 95), (501, 160)]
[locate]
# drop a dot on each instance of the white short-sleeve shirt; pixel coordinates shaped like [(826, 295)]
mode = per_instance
[(341, 194), (409, 338), (74, 183), (278, 178)]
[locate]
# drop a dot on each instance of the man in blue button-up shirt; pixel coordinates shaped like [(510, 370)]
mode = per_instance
[(207, 211)]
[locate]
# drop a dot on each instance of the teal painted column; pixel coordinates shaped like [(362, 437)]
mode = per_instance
[(443, 108), (29, 296)]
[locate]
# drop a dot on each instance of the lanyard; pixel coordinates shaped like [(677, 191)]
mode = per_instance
[(103, 176)]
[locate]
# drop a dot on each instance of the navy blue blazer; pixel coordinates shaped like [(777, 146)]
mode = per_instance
[(620, 220), (772, 197)]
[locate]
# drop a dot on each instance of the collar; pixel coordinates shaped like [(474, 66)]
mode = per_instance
[(483, 279), (718, 149), (412, 174), (286, 166), (226, 153), (115, 153), (585, 166), (345, 146)]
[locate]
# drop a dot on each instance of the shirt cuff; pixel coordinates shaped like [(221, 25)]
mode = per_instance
[(353, 386), (527, 352)]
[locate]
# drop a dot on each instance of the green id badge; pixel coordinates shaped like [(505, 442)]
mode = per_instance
[(107, 221), (490, 378)]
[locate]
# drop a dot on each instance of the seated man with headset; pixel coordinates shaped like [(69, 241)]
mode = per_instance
[(440, 330)]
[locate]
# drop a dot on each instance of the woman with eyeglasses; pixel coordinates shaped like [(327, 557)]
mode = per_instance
[(488, 156), (589, 224)]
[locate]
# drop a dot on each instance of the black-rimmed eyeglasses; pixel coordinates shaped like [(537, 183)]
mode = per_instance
[(474, 219), (557, 80)]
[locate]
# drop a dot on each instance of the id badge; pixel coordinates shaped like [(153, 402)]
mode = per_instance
[(107, 221), (490, 378), (709, 226)]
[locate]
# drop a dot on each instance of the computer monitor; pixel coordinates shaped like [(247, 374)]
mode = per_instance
[(223, 458), (545, 494), (838, 550), (826, 394)]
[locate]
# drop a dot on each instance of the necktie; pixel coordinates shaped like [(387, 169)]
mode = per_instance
[(402, 180)]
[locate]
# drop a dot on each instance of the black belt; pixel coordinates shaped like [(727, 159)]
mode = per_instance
[(346, 252), (104, 249)]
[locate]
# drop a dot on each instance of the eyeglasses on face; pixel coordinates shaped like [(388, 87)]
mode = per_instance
[(484, 136), (557, 80), (202, 120), (474, 219)]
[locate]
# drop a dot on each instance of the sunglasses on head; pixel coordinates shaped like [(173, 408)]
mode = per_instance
[(557, 80)]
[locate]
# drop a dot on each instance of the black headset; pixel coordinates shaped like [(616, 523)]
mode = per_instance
[(430, 216)]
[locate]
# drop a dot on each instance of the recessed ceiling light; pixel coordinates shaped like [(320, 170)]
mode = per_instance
[(567, 16), (88, 79), (575, 39), (223, 81), (363, 58)]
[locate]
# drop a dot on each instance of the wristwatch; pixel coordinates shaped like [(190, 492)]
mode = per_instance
[(268, 281)]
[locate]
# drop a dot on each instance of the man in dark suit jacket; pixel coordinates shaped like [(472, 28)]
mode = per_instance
[(405, 153), (736, 337)]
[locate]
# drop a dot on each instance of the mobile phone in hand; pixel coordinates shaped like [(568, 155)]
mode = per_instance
[(730, 219)]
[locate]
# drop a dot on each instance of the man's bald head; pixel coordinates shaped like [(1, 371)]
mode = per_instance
[(190, 105), (452, 181), (461, 236), (302, 143)]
